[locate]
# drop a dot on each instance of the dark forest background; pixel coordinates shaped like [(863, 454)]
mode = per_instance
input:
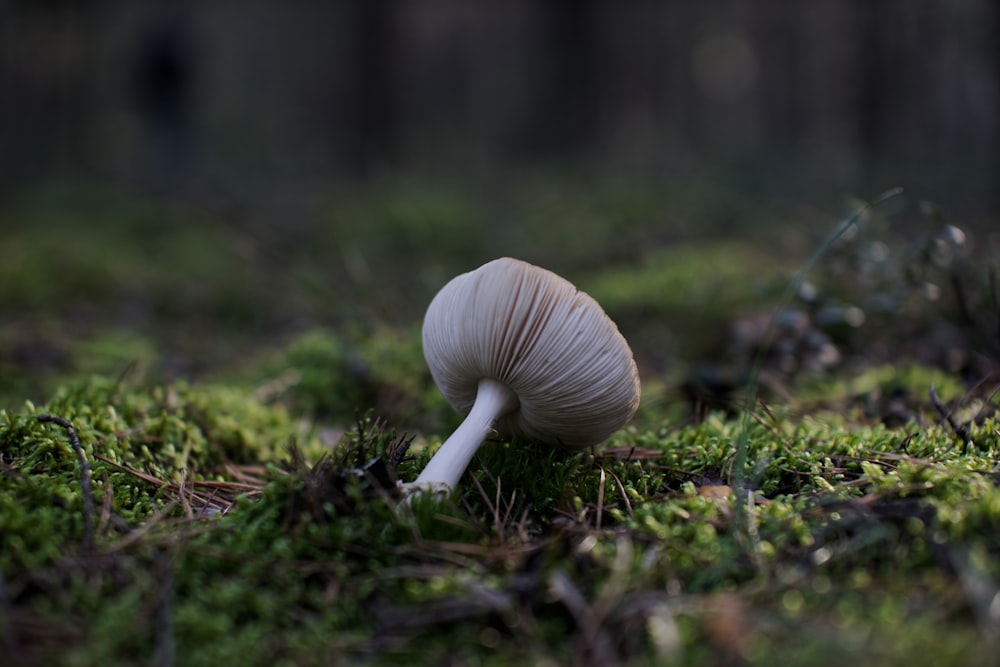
[(785, 98), (196, 179)]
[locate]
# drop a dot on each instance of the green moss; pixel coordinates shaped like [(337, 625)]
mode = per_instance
[(674, 280), (334, 377), (851, 537), (217, 542), (170, 435), (683, 300)]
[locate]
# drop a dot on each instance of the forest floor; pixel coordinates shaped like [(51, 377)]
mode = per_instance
[(204, 415)]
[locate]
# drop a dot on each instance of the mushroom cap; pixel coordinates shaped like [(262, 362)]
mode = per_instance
[(552, 345)]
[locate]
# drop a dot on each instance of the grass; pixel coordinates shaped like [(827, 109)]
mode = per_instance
[(252, 515)]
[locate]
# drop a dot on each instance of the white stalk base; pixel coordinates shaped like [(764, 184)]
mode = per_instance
[(493, 400)]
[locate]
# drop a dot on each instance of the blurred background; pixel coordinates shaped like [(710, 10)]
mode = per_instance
[(182, 95), (186, 180)]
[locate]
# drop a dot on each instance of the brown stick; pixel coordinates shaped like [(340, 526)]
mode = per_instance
[(88, 496), (960, 431)]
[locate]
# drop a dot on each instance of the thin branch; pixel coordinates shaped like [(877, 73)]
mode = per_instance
[(739, 460), (88, 496), (960, 431)]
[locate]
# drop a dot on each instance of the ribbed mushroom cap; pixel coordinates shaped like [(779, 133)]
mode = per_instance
[(573, 373)]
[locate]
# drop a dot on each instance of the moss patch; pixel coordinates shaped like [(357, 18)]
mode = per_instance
[(215, 541), (252, 516)]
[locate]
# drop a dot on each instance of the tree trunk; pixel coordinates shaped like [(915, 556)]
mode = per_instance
[(375, 116)]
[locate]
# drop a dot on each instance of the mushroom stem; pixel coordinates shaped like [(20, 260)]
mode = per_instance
[(493, 400)]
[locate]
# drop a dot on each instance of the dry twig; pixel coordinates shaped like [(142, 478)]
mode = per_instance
[(88, 498), (960, 431)]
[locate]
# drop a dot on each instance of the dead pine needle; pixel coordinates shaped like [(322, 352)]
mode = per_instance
[(88, 497), (601, 495), (600, 500), (621, 492)]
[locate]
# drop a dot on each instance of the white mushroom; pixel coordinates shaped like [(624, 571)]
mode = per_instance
[(524, 353)]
